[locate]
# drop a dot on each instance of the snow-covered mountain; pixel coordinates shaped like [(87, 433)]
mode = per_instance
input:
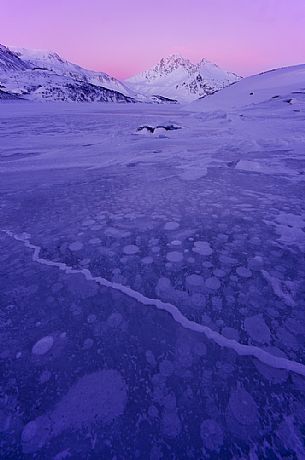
[(9, 61), (280, 85), (178, 78), (44, 75), (38, 75), (50, 61)]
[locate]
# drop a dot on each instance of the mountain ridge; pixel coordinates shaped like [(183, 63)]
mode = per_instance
[(177, 77), (52, 61), (45, 75)]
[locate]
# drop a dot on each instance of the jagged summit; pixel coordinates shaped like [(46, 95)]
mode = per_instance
[(177, 77), (175, 60), (166, 66)]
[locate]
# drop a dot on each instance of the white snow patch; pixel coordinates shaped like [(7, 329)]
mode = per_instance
[(171, 226), (194, 281), (243, 272), (280, 288), (212, 283), (203, 248), (176, 243), (76, 246), (116, 232), (174, 256), (147, 260), (43, 345), (131, 249)]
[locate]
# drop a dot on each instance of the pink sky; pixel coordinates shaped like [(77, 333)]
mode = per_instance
[(123, 37)]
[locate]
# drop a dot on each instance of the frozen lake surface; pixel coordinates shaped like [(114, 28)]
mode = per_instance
[(152, 291)]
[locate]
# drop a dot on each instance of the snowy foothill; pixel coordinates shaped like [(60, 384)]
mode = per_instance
[(276, 86)]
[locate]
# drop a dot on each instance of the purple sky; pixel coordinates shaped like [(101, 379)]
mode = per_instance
[(123, 37)]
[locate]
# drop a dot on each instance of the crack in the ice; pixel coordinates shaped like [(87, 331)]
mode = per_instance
[(241, 349)]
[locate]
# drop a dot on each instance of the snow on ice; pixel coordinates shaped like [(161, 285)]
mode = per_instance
[(152, 287)]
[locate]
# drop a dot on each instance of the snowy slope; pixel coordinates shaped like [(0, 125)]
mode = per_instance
[(178, 78), (40, 85), (46, 60), (7, 96), (46, 76), (9, 61), (275, 84)]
